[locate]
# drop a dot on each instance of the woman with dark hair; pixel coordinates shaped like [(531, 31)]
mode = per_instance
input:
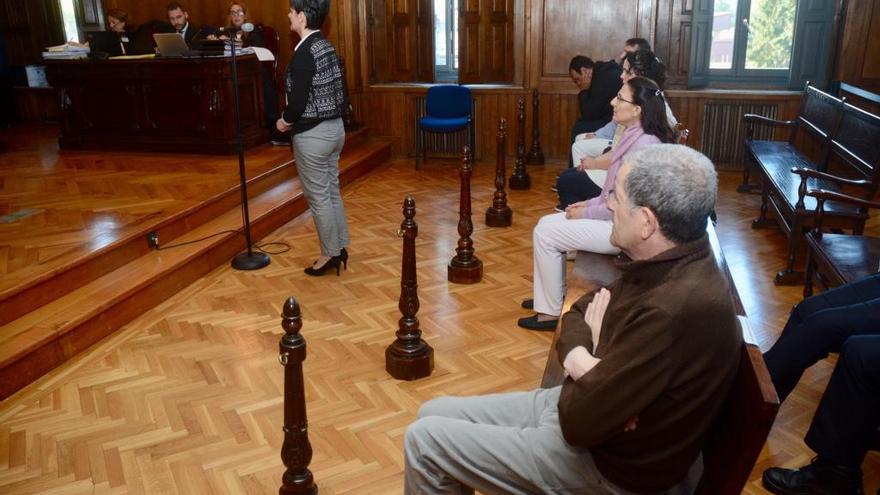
[(591, 152), (315, 99), (586, 226)]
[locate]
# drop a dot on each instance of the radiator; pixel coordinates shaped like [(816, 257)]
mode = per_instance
[(445, 144), (724, 131)]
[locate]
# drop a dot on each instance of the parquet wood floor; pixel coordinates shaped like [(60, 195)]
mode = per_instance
[(80, 204), (187, 398)]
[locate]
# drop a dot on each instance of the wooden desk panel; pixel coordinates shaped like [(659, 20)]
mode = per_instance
[(173, 105)]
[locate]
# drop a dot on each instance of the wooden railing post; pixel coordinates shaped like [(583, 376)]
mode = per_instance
[(465, 267), (499, 214), (520, 179), (536, 156), (409, 357), (296, 451)]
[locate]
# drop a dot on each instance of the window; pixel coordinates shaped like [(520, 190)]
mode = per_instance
[(760, 42), (446, 40), (68, 14)]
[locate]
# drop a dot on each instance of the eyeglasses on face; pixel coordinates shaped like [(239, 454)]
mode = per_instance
[(236, 13), (621, 98)]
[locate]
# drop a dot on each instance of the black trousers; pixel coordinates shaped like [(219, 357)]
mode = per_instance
[(574, 185), (844, 320)]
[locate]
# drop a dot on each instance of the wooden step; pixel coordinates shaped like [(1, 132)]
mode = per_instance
[(42, 339), (89, 265)]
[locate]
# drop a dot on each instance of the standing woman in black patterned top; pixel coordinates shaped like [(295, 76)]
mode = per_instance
[(315, 99)]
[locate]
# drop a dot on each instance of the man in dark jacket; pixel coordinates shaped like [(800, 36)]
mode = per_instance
[(178, 17), (597, 83), (649, 361)]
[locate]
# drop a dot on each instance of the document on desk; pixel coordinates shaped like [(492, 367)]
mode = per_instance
[(134, 57)]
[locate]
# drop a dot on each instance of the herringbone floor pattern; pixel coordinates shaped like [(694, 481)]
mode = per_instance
[(78, 204), (187, 399)]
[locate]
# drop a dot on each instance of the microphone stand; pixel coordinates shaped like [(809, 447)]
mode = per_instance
[(248, 260)]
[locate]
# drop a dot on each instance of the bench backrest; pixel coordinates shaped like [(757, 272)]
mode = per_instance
[(819, 115), (857, 142), (737, 435)]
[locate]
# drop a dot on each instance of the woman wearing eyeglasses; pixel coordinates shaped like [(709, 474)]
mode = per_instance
[(236, 17), (640, 109), (589, 154)]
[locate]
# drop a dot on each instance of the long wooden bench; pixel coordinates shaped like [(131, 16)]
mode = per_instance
[(848, 137), (738, 434)]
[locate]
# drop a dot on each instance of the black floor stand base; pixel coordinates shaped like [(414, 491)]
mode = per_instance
[(250, 261)]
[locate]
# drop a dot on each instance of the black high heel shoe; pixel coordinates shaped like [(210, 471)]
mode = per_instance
[(343, 257), (331, 263)]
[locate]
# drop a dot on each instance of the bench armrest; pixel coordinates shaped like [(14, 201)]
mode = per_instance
[(751, 118), (806, 173), (826, 195), (823, 195)]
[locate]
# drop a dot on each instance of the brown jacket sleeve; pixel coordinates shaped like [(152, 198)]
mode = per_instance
[(635, 368), (575, 331)]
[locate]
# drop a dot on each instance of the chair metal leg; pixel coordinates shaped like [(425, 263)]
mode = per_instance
[(424, 146), (418, 150)]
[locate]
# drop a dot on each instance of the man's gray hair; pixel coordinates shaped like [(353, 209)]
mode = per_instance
[(678, 184)]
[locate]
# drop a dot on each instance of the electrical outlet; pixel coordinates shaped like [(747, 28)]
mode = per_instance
[(153, 240)]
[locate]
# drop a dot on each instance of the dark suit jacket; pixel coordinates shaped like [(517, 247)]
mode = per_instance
[(197, 33)]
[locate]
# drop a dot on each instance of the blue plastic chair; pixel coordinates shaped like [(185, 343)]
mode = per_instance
[(448, 108)]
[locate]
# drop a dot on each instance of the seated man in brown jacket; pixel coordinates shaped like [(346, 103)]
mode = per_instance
[(649, 361)]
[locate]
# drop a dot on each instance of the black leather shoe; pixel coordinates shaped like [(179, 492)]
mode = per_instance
[(820, 477), (532, 323), (528, 304)]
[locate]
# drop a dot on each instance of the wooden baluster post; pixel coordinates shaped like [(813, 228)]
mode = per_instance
[(499, 214), (409, 357), (536, 156), (465, 267), (520, 179), (296, 452)]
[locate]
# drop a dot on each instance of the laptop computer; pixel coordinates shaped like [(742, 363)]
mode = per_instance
[(172, 45), (104, 43)]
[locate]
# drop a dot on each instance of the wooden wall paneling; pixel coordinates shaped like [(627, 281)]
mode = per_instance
[(28, 26), (673, 39), (469, 42), (402, 40), (871, 67), (562, 29), (858, 56), (377, 54), (424, 39), (496, 49)]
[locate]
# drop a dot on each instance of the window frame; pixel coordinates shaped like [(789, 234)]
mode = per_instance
[(738, 72), (815, 29), (448, 73)]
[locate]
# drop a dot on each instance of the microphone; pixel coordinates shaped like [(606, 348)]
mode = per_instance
[(246, 27)]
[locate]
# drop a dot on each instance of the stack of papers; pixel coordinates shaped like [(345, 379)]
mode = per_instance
[(66, 51)]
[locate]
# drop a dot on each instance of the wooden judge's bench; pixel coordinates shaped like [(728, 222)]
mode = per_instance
[(171, 105)]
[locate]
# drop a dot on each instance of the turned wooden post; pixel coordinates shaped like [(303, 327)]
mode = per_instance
[(499, 214), (348, 121), (536, 156), (520, 178), (409, 357), (296, 452), (465, 268)]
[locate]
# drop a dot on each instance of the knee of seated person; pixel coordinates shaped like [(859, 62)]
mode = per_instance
[(421, 431), (441, 406)]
